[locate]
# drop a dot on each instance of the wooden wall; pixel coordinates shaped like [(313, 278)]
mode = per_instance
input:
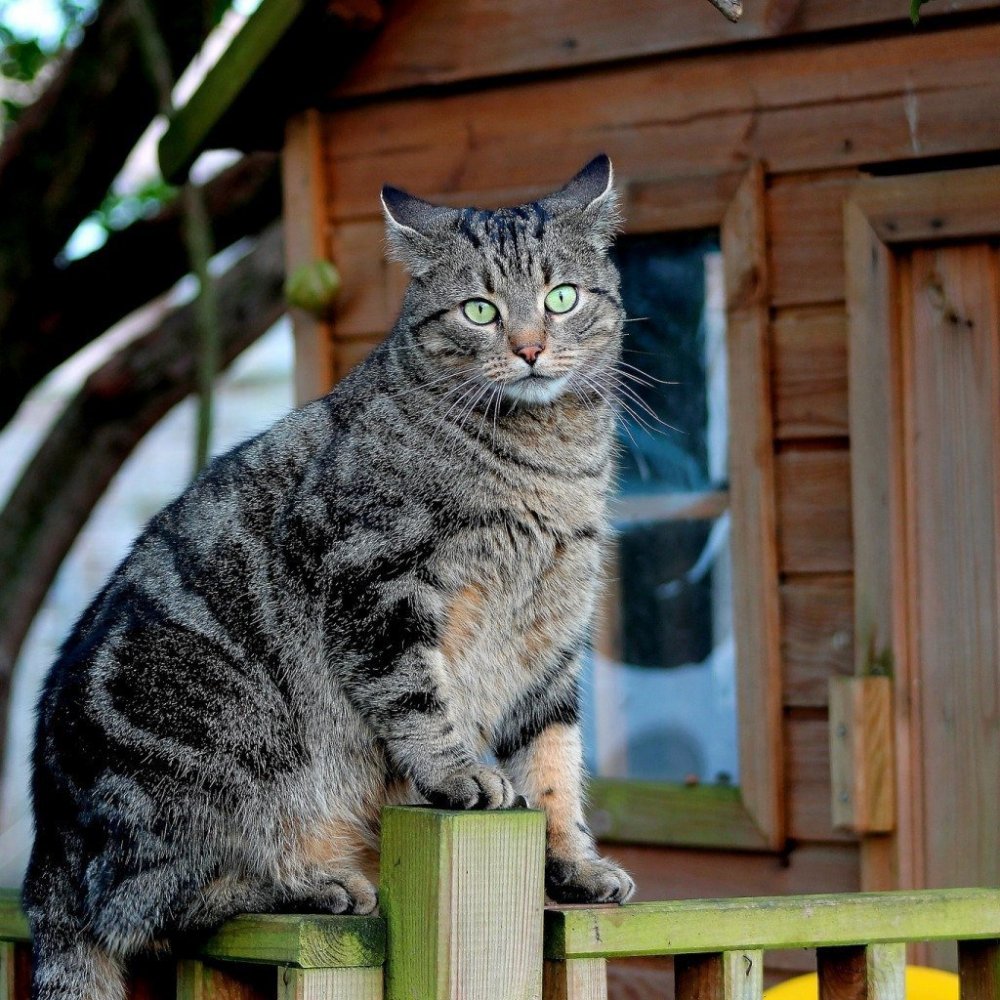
[(682, 128)]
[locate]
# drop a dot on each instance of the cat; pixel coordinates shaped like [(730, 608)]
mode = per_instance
[(353, 608)]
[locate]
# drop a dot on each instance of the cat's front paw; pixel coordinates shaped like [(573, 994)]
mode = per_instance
[(589, 880), (337, 893), (477, 787)]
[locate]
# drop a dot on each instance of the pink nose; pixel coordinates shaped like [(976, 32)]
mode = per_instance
[(529, 352)]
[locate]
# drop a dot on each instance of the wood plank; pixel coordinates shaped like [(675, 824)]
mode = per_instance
[(329, 984), (671, 204), (462, 894), (728, 975), (578, 979), (872, 972), (373, 286), (312, 942), (303, 176), (698, 926), (863, 796), (805, 223), (810, 372), (810, 791), (664, 873), (817, 637), (752, 489), (688, 117), (416, 47), (8, 988), (814, 511), (953, 444), (208, 981), (979, 970), (941, 205)]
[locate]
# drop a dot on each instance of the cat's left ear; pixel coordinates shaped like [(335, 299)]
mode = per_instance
[(413, 229), (589, 203)]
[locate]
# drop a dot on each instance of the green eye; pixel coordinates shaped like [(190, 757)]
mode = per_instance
[(480, 311), (561, 299)]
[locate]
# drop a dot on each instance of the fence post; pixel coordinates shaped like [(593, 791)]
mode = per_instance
[(463, 898), (863, 972)]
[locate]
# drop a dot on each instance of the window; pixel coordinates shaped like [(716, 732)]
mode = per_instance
[(661, 702), (683, 714)]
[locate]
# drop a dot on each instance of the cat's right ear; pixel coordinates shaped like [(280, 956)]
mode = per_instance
[(413, 229)]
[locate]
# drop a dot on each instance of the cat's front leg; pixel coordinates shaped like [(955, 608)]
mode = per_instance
[(542, 751), (406, 701)]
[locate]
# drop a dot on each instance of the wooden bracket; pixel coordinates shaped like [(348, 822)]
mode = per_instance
[(861, 754)]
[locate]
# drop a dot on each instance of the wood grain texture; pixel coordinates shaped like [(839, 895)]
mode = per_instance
[(416, 48), (872, 972), (685, 117), (577, 979), (303, 183), (329, 984), (979, 970), (698, 874), (7, 978), (817, 637), (809, 781), (752, 492), (953, 473), (805, 217), (305, 941), (810, 373), (462, 894), (863, 793), (226, 981), (814, 511), (728, 975), (701, 926)]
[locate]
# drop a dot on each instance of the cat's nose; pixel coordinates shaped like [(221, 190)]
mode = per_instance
[(530, 352)]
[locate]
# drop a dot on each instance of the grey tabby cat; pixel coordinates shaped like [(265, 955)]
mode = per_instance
[(350, 610)]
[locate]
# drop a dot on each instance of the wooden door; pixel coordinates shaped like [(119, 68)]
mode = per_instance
[(924, 307)]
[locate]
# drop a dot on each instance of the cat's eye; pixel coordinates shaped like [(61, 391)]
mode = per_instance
[(479, 311), (561, 299)]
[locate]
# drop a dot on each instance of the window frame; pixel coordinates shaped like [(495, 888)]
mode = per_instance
[(750, 815)]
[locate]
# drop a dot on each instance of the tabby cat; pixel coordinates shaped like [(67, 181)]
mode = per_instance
[(350, 609)]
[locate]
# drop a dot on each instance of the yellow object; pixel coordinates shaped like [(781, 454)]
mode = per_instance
[(921, 984)]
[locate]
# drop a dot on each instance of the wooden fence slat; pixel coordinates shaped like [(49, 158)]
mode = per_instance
[(6, 970), (204, 981), (577, 979), (979, 970), (329, 984), (728, 975), (863, 972)]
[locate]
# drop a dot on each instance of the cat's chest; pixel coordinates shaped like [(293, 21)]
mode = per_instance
[(521, 595)]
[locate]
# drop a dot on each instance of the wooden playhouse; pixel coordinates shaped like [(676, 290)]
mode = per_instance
[(815, 192)]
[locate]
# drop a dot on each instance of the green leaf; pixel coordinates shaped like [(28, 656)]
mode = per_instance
[(915, 6)]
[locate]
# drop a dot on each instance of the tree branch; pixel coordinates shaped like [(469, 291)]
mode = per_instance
[(58, 161), (100, 427), (64, 309), (732, 9)]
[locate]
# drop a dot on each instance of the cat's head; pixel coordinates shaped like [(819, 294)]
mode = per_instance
[(523, 299)]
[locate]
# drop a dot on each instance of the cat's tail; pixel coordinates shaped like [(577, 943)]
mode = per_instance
[(68, 962), (75, 970)]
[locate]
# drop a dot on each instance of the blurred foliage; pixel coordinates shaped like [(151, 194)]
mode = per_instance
[(915, 6), (120, 210)]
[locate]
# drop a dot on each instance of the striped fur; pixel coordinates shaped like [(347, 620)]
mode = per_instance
[(348, 610)]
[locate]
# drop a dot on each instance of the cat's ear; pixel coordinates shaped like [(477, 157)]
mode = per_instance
[(413, 229), (589, 203)]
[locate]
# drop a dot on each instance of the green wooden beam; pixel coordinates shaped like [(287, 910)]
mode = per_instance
[(656, 812), (192, 124), (308, 942), (13, 922), (708, 925)]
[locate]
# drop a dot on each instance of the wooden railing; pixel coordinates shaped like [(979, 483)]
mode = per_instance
[(464, 919)]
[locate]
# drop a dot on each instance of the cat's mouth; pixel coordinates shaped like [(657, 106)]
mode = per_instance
[(536, 387)]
